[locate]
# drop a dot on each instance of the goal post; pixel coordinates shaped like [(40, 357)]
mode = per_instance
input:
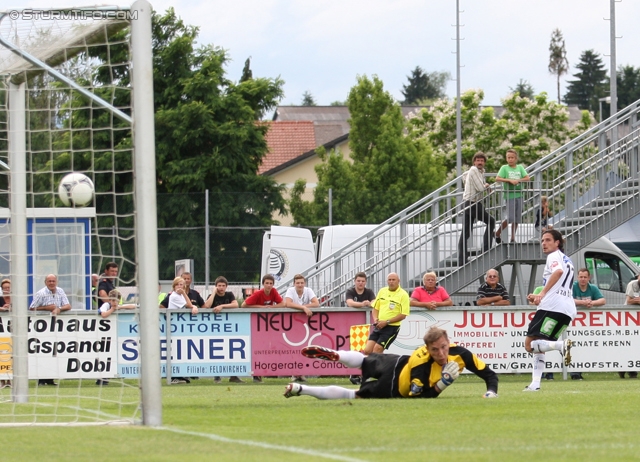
[(72, 103), (18, 205), (146, 220)]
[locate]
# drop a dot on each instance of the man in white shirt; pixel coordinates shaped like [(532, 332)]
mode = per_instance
[(632, 298), (300, 297), (474, 187), (556, 307), (53, 299), (50, 298)]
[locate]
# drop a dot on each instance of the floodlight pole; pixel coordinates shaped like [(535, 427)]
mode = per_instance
[(146, 213), (458, 107), (613, 81), (207, 235)]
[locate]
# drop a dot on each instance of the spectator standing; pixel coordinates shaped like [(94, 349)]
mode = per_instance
[(390, 308), (492, 292), (359, 296), (161, 296), (632, 298), (5, 299), (179, 298), (430, 295), (5, 305), (268, 296), (106, 283), (53, 299), (474, 187), (106, 310), (219, 300), (95, 280), (512, 175), (300, 297), (542, 215), (194, 295), (585, 295)]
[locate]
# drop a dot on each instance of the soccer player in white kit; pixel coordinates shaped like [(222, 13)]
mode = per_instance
[(556, 307)]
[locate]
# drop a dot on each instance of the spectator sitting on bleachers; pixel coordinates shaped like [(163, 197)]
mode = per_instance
[(430, 295), (492, 292)]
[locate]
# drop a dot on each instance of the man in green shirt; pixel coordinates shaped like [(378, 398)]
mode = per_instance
[(512, 175), (585, 294)]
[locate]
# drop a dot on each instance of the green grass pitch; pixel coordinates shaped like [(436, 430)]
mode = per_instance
[(594, 419)]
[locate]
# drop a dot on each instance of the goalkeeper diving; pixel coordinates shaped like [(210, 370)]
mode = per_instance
[(425, 374)]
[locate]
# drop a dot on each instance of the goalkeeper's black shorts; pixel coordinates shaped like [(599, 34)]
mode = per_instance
[(548, 325), (380, 374)]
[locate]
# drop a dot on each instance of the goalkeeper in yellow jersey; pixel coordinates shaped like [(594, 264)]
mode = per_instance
[(424, 374)]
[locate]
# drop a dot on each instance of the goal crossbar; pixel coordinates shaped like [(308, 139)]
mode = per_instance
[(56, 58)]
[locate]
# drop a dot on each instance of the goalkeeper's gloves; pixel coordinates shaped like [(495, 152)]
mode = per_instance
[(490, 394), (450, 372), (416, 388)]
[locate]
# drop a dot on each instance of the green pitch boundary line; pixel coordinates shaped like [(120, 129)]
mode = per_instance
[(275, 447)]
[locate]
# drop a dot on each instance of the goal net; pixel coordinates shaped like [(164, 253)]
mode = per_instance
[(72, 159)]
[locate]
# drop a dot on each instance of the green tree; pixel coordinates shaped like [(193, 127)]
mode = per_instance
[(558, 62), (524, 89), (628, 85), (424, 87), (590, 83), (247, 74), (532, 127), (207, 137), (387, 171), (307, 99)]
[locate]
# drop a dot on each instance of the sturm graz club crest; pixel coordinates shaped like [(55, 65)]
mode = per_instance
[(278, 264)]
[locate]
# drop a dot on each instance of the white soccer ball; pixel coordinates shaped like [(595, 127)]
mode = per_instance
[(76, 190)]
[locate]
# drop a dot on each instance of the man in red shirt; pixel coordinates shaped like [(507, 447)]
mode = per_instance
[(265, 297), (429, 295)]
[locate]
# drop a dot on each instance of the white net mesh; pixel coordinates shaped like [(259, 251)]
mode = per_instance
[(70, 130)]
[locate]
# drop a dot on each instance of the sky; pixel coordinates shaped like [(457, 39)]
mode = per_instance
[(322, 46)]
